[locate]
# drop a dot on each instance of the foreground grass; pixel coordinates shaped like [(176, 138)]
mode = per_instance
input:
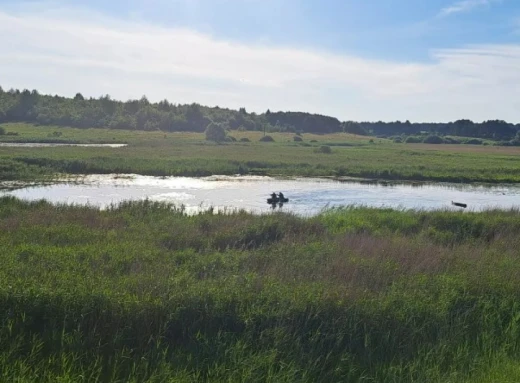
[(188, 154), (142, 292)]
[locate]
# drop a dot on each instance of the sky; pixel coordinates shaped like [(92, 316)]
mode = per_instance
[(363, 60)]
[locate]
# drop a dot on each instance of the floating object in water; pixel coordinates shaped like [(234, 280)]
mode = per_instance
[(280, 198), (277, 200), (459, 204)]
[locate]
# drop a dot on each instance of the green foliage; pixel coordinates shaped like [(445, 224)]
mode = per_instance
[(451, 140), (144, 292), (354, 128), (2, 131), (267, 139), (104, 112), (433, 140), (297, 139), (215, 132), (473, 141), (413, 140)]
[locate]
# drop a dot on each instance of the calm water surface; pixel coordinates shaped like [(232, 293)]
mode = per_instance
[(307, 196)]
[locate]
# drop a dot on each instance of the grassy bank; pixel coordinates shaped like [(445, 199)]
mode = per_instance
[(141, 292), (188, 154)]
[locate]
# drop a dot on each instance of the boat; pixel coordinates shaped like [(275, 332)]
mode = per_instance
[(463, 205), (277, 200)]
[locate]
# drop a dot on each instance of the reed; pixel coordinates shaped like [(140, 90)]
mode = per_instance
[(144, 292)]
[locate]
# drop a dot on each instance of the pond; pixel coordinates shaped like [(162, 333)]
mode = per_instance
[(306, 196), (52, 145)]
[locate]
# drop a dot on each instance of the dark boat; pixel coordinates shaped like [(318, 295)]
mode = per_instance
[(459, 204), (277, 200)]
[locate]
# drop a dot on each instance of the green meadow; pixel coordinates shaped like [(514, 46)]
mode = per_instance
[(189, 154)]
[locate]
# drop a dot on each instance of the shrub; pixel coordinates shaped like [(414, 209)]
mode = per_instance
[(324, 149), (433, 140), (398, 140), (2, 131), (297, 139), (245, 139), (267, 139), (231, 139), (449, 140), (413, 140), (215, 132), (473, 141), (314, 140)]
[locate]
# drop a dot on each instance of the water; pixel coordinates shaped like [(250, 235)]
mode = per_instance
[(307, 196), (51, 145)]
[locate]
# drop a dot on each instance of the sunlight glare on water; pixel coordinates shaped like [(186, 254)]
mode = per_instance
[(307, 196)]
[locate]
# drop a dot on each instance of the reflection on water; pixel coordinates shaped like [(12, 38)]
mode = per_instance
[(307, 196), (52, 145)]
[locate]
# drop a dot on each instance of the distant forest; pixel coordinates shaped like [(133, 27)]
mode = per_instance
[(104, 112)]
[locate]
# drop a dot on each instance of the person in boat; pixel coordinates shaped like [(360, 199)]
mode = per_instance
[(273, 197), (281, 196)]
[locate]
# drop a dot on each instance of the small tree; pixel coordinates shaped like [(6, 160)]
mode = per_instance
[(215, 132)]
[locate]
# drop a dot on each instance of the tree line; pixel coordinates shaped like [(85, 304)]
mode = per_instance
[(105, 112)]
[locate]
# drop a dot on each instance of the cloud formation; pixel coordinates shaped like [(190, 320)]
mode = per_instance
[(465, 6), (70, 50)]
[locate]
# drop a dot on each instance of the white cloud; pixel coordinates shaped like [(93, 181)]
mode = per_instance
[(465, 6), (65, 51)]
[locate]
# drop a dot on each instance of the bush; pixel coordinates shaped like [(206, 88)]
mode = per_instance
[(449, 140), (413, 140), (245, 139), (267, 139), (297, 139), (473, 141), (231, 139), (215, 132), (314, 140), (398, 140), (433, 140), (324, 149), (2, 131)]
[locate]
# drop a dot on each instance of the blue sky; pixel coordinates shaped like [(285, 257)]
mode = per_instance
[(355, 59)]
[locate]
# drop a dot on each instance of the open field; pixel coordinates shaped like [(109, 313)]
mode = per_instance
[(142, 292), (188, 154)]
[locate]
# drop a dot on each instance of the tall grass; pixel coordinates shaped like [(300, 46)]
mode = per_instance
[(145, 292)]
